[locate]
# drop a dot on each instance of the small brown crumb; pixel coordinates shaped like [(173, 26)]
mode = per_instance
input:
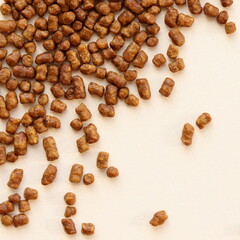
[(39, 125), (37, 111), (177, 65), (5, 138), (14, 198), (76, 173), (24, 206), (159, 60), (26, 120), (159, 218), (88, 228), (49, 175), (140, 37), (210, 10), (70, 198), (30, 194), (132, 100), (91, 133), (222, 17), (187, 134), (69, 226), (70, 211), (83, 112), (112, 172), (50, 148), (140, 59), (6, 220), (88, 179), (76, 124), (106, 110), (20, 220), (203, 120), (15, 178), (43, 99), (230, 27), (167, 87), (82, 144), (102, 160)]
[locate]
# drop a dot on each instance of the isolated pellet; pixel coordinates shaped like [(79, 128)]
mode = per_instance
[(12, 125), (230, 27), (102, 160), (3, 155), (173, 51), (5, 75), (15, 178), (69, 226), (82, 144), (50, 148), (143, 88), (177, 37), (112, 172), (187, 134), (132, 100), (177, 65), (203, 120), (194, 6), (39, 125), (131, 51), (123, 93), (20, 143), (167, 87), (91, 133), (49, 175), (159, 218), (58, 106), (5, 138), (106, 110), (83, 112), (76, 173), (159, 60), (95, 89)]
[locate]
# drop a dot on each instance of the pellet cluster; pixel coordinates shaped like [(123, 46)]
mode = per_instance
[(65, 29)]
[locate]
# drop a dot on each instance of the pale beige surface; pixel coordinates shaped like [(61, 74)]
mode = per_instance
[(198, 186)]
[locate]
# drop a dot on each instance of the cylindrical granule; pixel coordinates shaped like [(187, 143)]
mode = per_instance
[(50, 148)]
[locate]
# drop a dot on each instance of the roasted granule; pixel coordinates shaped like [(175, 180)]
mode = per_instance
[(11, 100), (143, 88), (210, 10), (20, 220), (184, 20), (69, 226), (111, 95), (167, 87), (5, 74), (23, 206), (83, 112), (14, 198), (123, 93), (88, 228), (32, 136), (115, 27), (76, 124), (106, 110), (159, 60), (13, 58), (82, 144), (27, 60), (153, 29), (3, 156), (194, 6), (12, 84), (52, 122), (91, 133), (203, 120), (15, 178), (26, 119), (12, 157), (152, 41), (130, 30), (173, 51), (95, 89), (24, 86), (30, 194), (43, 99), (187, 134), (126, 17), (12, 125), (20, 143), (130, 75), (159, 218), (76, 173), (101, 73), (230, 27), (6, 220), (92, 47), (226, 3), (117, 42), (97, 59), (102, 160), (88, 179), (58, 106), (134, 6), (50, 148), (132, 100), (39, 125), (70, 211), (112, 172), (70, 198), (120, 63), (177, 65), (6, 207), (27, 98), (4, 113), (222, 17), (49, 175), (177, 37)]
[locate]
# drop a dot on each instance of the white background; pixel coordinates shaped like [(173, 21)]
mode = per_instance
[(198, 186)]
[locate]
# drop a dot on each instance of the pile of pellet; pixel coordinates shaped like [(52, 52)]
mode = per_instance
[(65, 28)]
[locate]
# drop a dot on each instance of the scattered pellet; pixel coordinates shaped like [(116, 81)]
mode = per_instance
[(23, 206), (15, 178), (14, 198), (143, 88), (177, 65), (20, 143), (210, 10), (177, 37), (159, 218), (88, 179), (106, 110), (226, 3), (222, 17), (187, 134), (30, 194), (20, 220), (203, 120), (69, 226), (58, 106), (132, 100), (158, 60), (82, 144), (167, 87), (91, 133), (70, 211), (70, 198), (230, 27), (3, 156), (50, 148), (112, 172), (88, 228), (102, 160), (6, 207), (6, 220), (194, 6)]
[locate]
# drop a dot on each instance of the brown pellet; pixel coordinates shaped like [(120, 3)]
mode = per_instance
[(123, 93), (26, 119), (91, 133), (11, 84), (97, 59), (180, 2), (222, 17), (6, 207), (53, 72), (106, 110), (43, 99), (154, 9), (37, 111), (5, 9), (116, 79), (143, 88), (12, 125), (130, 30), (20, 143), (88, 179), (82, 144), (78, 87), (130, 75), (165, 3), (226, 3), (69, 226), (11, 157), (152, 41), (120, 63), (86, 34), (167, 87), (38, 87), (102, 160), (11, 100), (30, 193), (52, 122), (4, 113), (84, 54), (111, 95), (58, 106), (115, 27), (5, 74), (6, 220), (184, 20), (140, 60), (5, 138), (134, 6), (21, 71), (14, 198), (49, 175), (50, 148), (187, 134), (13, 58), (173, 51), (194, 6), (45, 57), (83, 112), (22, 23), (76, 173), (203, 120), (70, 198), (153, 29), (70, 211), (230, 27), (117, 42), (27, 60), (88, 228), (3, 156), (132, 100), (76, 124), (109, 53), (95, 89), (24, 86), (177, 37), (177, 65), (39, 125), (32, 136), (7, 26), (112, 172), (27, 98), (20, 220), (159, 60), (92, 47), (23, 206), (159, 218), (101, 73), (210, 10), (30, 47), (126, 17), (15, 178)]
